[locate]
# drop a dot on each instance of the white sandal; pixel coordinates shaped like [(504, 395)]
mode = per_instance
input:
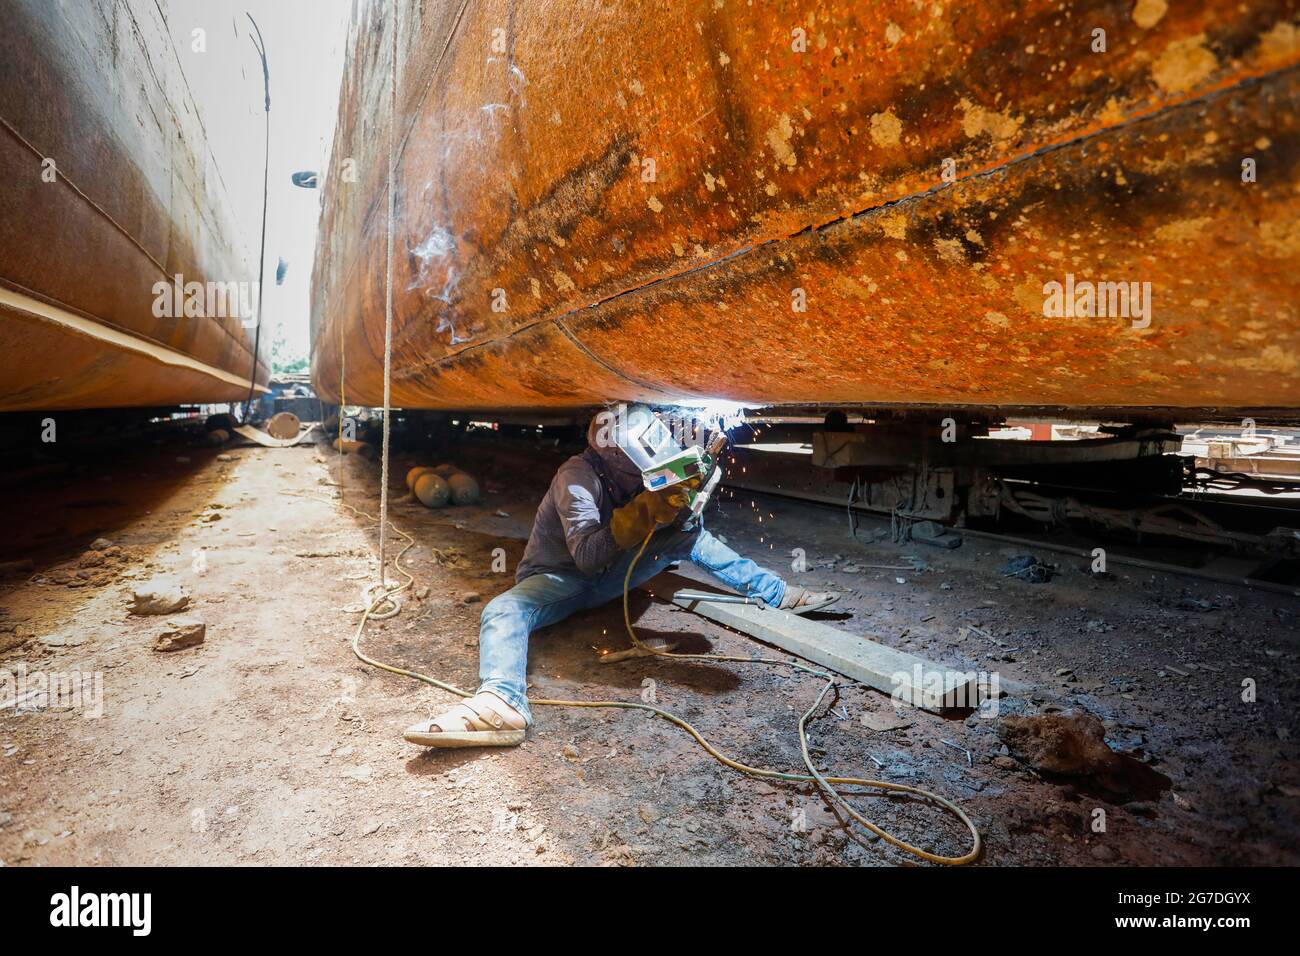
[(799, 600), (483, 726)]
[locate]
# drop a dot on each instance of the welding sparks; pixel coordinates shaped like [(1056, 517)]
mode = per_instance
[(712, 414), (716, 413)]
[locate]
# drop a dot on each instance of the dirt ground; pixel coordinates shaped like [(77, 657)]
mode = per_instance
[(270, 743)]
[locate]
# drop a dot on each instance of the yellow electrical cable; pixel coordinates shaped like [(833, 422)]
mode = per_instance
[(373, 613), (822, 781)]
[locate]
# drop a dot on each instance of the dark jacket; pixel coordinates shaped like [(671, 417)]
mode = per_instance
[(571, 531)]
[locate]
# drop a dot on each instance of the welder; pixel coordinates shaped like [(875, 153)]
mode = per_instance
[(588, 529)]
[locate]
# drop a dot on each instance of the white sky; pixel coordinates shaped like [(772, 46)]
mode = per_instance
[(305, 45)]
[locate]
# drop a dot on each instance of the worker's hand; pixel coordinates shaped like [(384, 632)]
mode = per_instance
[(669, 501), (631, 523), (664, 505)]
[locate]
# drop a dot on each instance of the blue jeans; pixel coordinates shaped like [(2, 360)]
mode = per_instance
[(547, 598)]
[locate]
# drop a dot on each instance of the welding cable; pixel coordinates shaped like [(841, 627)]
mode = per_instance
[(825, 783), (384, 605)]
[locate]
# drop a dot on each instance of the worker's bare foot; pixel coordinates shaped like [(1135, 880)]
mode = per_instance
[(484, 720), (799, 600)]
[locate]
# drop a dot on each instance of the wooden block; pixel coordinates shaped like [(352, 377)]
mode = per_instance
[(905, 677)]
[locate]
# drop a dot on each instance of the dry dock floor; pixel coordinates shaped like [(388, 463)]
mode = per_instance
[(270, 743)]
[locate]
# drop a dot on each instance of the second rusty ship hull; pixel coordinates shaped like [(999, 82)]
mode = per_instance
[(110, 188)]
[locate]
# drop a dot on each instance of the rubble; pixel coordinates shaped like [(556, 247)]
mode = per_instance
[(1072, 743), (70, 636), (12, 636), (158, 596), (181, 633), (1029, 568)]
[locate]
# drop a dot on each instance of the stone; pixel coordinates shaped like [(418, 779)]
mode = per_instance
[(158, 596), (11, 641), (885, 720), (1072, 743), (1102, 853), (67, 637), (181, 633)]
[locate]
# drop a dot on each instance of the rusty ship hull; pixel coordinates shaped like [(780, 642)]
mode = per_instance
[(109, 188), (842, 204)]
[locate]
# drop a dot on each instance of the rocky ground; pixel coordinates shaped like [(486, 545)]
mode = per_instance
[(257, 737)]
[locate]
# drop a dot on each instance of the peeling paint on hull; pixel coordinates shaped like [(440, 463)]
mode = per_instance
[(635, 202)]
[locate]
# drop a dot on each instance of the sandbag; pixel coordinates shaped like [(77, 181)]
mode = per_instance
[(464, 489), (432, 491), (415, 473)]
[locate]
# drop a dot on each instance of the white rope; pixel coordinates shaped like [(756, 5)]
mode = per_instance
[(388, 310)]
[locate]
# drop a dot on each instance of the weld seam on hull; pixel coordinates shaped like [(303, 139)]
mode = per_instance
[(94, 328), (1207, 97), (62, 177), (372, 208), (559, 320), (433, 76), (912, 197), (604, 364)]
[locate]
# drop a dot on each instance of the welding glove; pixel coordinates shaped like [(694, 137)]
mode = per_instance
[(631, 523)]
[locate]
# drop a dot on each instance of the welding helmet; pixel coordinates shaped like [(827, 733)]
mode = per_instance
[(637, 432)]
